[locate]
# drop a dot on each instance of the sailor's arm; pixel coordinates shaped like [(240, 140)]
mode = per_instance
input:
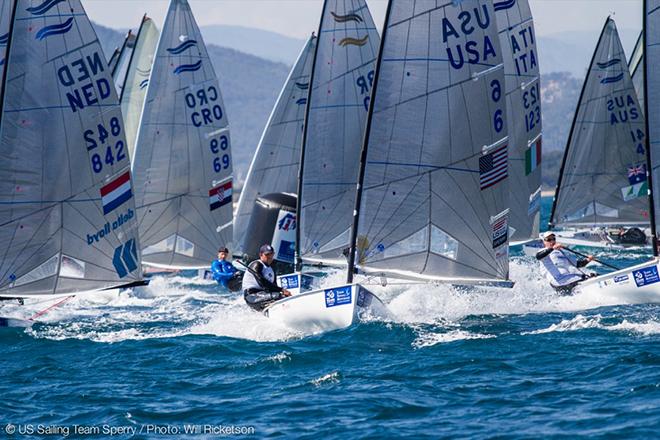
[(543, 253), (257, 267)]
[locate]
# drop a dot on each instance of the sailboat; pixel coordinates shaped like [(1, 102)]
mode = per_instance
[(636, 67), (120, 60), (183, 164), (601, 196), (274, 168), (523, 97), (68, 220), (133, 86), (639, 283), (432, 194)]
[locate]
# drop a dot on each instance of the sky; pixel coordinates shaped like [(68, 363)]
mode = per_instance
[(297, 18)]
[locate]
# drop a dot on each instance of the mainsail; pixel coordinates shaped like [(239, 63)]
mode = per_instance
[(136, 81), (67, 216), (122, 60), (337, 105), (603, 180), (523, 99), (183, 163), (274, 167), (435, 193)]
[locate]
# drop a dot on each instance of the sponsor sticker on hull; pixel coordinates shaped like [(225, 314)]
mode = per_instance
[(338, 296), (646, 275), (289, 282)]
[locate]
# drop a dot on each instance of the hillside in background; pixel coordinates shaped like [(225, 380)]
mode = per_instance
[(250, 86)]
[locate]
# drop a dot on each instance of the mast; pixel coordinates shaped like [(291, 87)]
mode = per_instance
[(363, 154), (3, 80), (570, 134), (123, 47), (130, 61), (647, 141), (298, 267)]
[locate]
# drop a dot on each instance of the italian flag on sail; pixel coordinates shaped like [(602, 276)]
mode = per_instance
[(533, 157)]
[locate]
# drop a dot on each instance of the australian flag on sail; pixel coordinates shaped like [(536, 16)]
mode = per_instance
[(637, 174), (220, 195), (493, 167), (116, 193)]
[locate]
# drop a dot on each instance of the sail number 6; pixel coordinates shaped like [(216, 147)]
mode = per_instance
[(496, 96)]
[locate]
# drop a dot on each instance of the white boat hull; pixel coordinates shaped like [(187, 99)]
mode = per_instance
[(639, 284), (325, 310)]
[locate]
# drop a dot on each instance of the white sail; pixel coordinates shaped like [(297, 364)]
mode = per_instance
[(523, 98), (123, 59), (435, 190), (274, 167), (68, 222), (135, 84), (603, 176), (183, 163), (338, 102)]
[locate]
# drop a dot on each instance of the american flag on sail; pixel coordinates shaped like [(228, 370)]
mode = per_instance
[(220, 195), (500, 231), (493, 167), (637, 174)]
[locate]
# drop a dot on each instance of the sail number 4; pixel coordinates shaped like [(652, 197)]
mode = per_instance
[(114, 150)]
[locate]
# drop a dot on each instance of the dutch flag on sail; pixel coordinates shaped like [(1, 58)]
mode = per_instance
[(493, 167), (116, 193), (220, 195)]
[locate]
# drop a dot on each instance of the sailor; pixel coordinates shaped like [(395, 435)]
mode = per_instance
[(561, 270), (221, 269), (259, 286)]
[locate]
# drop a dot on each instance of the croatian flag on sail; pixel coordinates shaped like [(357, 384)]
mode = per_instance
[(493, 167), (220, 195), (116, 193), (637, 174)]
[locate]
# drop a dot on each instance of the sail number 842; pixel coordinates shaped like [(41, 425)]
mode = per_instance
[(114, 150)]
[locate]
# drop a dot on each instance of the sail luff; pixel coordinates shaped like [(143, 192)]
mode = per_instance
[(652, 116), (552, 221), (118, 52), (299, 192), (4, 56), (282, 123), (363, 153), (132, 57)]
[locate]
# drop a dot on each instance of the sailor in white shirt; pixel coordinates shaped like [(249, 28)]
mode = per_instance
[(559, 268)]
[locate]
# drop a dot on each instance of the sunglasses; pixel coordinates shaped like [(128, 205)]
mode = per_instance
[(550, 239)]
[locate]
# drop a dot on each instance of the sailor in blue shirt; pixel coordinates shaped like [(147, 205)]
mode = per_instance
[(221, 269)]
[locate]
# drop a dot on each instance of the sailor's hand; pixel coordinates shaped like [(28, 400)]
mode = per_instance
[(286, 292), (590, 258), (557, 246)]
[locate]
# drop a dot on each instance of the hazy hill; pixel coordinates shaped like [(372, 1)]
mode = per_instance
[(250, 86)]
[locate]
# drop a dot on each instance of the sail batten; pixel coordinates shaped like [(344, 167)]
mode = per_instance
[(183, 162)]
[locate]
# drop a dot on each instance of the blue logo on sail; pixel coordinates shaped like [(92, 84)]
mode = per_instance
[(301, 101), (188, 68), (4, 39), (55, 29), (302, 86), (609, 63), (182, 47), (44, 7), (499, 6), (612, 79), (144, 84)]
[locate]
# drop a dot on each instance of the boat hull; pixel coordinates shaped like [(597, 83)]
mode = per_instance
[(639, 284), (325, 310)]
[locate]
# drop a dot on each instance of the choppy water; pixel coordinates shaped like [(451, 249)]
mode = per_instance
[(519, 363)]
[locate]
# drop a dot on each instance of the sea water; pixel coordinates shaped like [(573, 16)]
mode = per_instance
[(181, 359)]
